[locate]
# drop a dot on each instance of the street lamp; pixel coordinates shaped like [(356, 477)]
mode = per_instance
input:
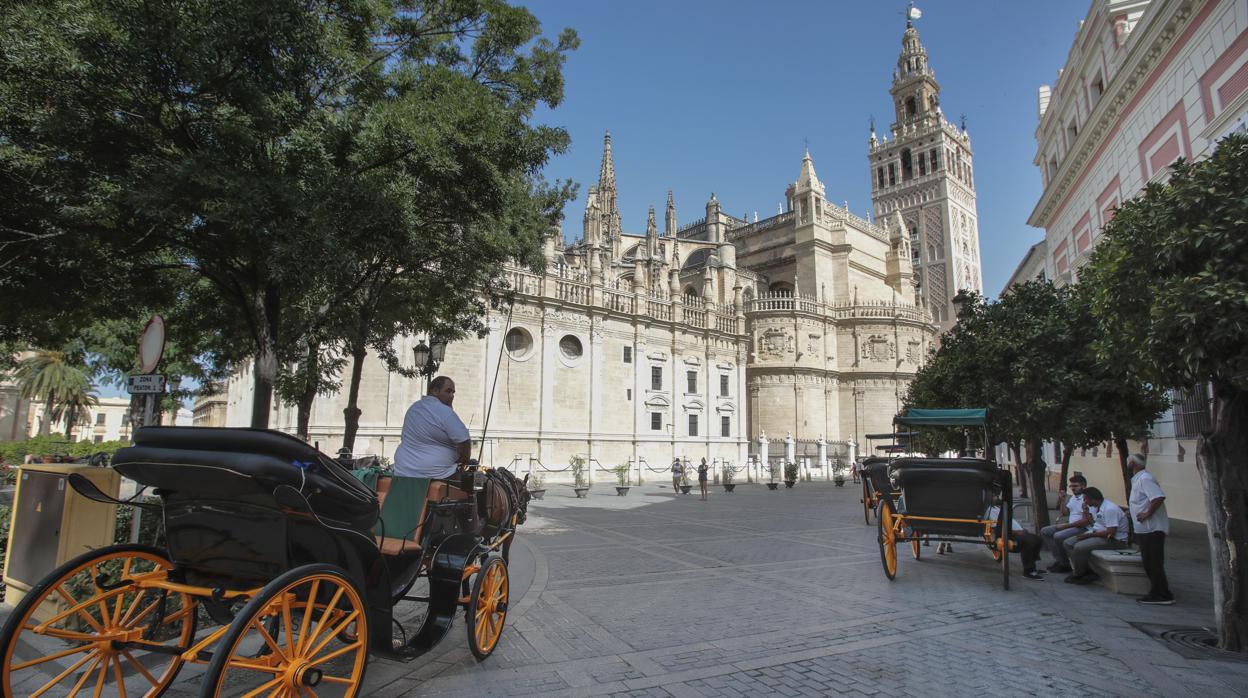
[(429, 358), (960, 301)]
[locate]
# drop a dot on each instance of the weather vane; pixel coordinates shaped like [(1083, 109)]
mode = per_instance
[(912, 13)]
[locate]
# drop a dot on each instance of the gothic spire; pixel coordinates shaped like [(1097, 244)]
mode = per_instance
[(606, 174), (652, 228), (808, 179), (606, 192), (669, 220)]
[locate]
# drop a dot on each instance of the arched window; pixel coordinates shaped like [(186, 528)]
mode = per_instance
[(911, 107), (907, 165)]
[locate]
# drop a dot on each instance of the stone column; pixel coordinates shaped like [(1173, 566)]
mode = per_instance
[(549, 339), (762, 454), (595, 387), (853, 451), (823, 452), (790, 450)]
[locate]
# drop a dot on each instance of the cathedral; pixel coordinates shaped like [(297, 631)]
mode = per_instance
[(745, 343)]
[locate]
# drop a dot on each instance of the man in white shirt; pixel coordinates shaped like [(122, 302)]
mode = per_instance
[(1110, 528), (1073, 519), (435, 440), (1026, 543), (1148, 508)]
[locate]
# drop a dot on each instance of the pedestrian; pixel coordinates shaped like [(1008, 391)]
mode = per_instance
[(1073, 519), (854, 467), (678, 471), (1148, 508), (1109, 530), (703, 469)]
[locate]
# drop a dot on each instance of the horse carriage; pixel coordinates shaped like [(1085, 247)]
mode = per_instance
[(945, 499), (293, 564), (875, 469)]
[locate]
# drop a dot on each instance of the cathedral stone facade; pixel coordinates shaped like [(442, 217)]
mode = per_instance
[(735, 341)]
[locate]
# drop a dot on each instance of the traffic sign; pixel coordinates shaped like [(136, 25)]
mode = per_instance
[(145, 383), (151, 344)]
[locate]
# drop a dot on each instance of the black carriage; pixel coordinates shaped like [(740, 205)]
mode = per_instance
[(297, 564), (874, 472), (945, 499)]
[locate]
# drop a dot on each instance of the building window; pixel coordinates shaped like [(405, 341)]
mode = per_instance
[(911, 107), (1191, 412), (628, 355), (518, 342), (656, 421), (656, 377), (723, 385), (99, 438), (935, 159), (879, 173), (725, 426), (692, 378), (922, 165), (628, 393), (693, 425), (570, 347), (892, 174), (99, 419), (907, 165)]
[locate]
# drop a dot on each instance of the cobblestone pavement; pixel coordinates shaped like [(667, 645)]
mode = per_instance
[(782, 593)]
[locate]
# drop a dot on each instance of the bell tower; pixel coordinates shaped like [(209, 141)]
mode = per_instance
[(924, 173)]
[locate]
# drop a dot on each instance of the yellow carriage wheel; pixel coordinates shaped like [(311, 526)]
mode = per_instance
[(305, 633), (487, 609), (885, 520), (86, 628)]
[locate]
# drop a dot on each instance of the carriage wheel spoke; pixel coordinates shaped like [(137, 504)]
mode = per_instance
[(74, 604), (264, 687), (141, 669), (268, 639), (133, 605), (60, 634), (286, 621), (72, 668), (102, 678), (320, 624), (121, 683), (307, 615), (51, 657), (332, 634), (82, 680), (335, 654)]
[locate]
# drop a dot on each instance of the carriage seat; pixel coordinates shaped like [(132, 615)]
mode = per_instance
[(406, 513)]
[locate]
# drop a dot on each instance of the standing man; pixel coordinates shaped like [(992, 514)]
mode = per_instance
[(1148, 508), (1109, 530), (435, 440), (1077, 518)]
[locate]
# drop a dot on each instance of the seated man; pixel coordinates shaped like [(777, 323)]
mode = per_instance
[(435, 440), (1073, 519), (1109, 530), (1027, 543)]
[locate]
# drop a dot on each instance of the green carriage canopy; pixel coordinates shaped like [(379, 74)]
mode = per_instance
[(944, 417)]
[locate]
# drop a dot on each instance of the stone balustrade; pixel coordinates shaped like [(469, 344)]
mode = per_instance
[(782, 302)]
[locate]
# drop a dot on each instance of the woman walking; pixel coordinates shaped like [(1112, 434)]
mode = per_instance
[(678, 471), (702, 471)]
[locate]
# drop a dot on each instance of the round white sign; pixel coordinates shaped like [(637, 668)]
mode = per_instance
[(151, 344)]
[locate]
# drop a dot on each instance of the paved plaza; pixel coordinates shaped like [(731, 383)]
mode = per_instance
[(782, 593)]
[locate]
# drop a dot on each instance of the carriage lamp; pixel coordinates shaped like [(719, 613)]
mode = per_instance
[(421, 354)]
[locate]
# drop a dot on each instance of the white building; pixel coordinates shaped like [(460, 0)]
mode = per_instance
[(1145, 82)]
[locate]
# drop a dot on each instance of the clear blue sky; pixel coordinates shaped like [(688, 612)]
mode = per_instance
[(720, 96)]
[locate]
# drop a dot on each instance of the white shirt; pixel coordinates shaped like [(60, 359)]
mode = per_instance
[(1110, 515), (994, 513), (432, 433), (1074, 505), (1144, 489)]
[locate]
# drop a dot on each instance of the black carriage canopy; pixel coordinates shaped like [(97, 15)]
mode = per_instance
[(237, 464)]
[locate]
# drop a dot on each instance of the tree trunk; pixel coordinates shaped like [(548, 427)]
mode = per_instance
[(1019, 470), (1039, 496), (1222, 458), (71, 416), (1123, 454), (45, 424), (352, 412), (312, 370), (265, 306), (1066, 449)]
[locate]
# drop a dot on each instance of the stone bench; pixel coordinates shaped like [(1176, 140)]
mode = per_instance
[(1121, 571)]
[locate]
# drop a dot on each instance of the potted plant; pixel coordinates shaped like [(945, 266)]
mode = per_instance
[(790, 474), (839, 475), (729, 485), (685, 485), (580, 481), (773, 471), (621, 479), (536, 485)]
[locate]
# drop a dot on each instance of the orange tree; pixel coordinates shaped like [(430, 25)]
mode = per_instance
[(1170, 292)]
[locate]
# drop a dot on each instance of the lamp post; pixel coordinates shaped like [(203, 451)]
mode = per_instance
[(429, 357)]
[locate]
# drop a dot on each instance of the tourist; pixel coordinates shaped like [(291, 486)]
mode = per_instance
[(678, 472), (1148, 508), (1110, 528), (434, 440), (703, 469), (1073, 519), (854, 467)]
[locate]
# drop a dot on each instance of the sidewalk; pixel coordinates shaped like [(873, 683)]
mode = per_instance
[(782, 593)]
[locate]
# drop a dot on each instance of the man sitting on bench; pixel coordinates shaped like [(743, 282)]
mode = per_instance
[(435, 440)]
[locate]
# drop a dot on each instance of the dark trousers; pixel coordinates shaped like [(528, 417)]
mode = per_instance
[(1029, 545), (1153, 555)]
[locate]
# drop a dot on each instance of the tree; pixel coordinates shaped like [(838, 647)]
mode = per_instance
[(243, 141), (61, 382), (1170, 293)]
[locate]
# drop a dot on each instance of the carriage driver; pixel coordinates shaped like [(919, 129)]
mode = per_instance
[(435, 440)]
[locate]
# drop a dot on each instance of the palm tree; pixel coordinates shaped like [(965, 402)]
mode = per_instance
[(62, 385)]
